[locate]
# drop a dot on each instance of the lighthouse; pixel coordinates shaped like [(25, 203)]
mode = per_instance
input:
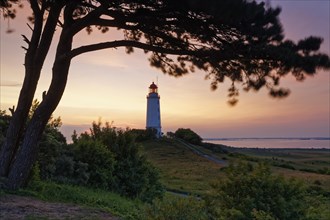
[(153, 110)]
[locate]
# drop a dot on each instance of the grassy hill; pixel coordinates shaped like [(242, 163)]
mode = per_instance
[(185, 171), (181, 169)]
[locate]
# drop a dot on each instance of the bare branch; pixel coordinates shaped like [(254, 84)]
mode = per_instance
[(44, 94), (12, 110), (140, 45), (26, 39), (29, 26)]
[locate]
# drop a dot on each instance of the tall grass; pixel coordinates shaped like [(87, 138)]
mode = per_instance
[(95, 198)]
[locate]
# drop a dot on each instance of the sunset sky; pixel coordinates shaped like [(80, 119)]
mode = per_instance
[(112, 85)]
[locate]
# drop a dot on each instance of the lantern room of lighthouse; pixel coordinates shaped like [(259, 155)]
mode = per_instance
[(153, 110)]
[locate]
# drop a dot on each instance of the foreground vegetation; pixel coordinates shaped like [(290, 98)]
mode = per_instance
[(83, 196), (246, 192), (126, 172), (184, 171)]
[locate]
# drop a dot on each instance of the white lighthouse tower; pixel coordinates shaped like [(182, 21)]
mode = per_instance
[(153, 109)]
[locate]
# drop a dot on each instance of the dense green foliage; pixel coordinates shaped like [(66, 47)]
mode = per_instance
[(188, 135), (105, 157), (247, 192), (253, 192), (108, 158), (4, 123), (141, 135), (50, 146), (131, 174)]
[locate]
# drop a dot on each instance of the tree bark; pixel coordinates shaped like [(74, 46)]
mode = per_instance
[(38, 47), (18, 121), (27, 153)]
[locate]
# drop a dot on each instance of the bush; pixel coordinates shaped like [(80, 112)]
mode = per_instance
[(4, 123), (100, 162), (51, 146), (114, 162), (69, 171), (253, 192), (188, 135), (141, 135), (106, 158)]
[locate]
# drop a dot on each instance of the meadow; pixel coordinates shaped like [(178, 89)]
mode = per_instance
[(183, 170)]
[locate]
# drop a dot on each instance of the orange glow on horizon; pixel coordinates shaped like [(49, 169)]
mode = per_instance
[(112, 85)]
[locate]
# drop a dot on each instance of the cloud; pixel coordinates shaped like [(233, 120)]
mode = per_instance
[(10, 84)]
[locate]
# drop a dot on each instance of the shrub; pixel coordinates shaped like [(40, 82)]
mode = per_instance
[(51, 146), (188, 135), (100, 162), (114, 162), (250, 192), (141, 135), (4, 123), (71, 172)]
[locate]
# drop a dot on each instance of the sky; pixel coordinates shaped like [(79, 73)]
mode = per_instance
[(112, 86)]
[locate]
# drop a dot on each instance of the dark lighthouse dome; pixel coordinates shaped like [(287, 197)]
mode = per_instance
[(153, 88)]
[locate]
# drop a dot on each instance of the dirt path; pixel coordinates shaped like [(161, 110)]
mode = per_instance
[(14, 207)]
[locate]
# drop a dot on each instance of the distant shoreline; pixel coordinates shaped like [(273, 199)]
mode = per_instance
[(274, 143), (268, 138)]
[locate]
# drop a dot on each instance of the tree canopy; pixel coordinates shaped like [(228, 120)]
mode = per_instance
[(237, 39), (241, 40)]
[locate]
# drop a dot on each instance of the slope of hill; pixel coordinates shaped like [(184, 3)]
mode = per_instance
[(181, 169), (192, 169)]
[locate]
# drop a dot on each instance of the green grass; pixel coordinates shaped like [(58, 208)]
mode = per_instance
[(304, 164), (93, 198), (314, 159), (181, 169)]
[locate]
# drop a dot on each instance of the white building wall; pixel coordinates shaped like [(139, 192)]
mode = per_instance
[(153, 113)]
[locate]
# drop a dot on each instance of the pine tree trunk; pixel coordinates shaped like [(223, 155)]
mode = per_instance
[(25, 156), (16, 126), (38, 47), (27, 153)]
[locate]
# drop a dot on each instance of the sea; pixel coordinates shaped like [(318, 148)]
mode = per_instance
[(304, 143)]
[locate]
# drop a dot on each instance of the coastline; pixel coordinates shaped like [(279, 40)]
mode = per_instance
[(273, 143)]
